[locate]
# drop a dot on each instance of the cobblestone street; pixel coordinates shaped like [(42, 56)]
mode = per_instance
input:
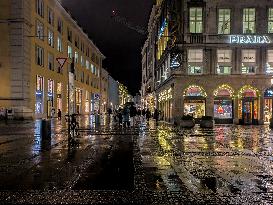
[(143, 165)]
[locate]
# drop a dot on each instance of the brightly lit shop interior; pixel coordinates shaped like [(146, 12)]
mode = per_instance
[(195, 101)]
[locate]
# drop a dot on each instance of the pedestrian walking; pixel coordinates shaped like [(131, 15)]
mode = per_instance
[(148, 115), (133, 113), (126, 117), (59, 114)]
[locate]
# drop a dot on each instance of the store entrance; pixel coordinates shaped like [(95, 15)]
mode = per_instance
[(249, 111), (267, 110)]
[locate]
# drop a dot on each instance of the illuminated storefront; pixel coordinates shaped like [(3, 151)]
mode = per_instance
[(78, 100), (39, 95), (59, 96), (165, 104), (50, 94), (223, 104), (195, 101), (268, 95), (248, 105)]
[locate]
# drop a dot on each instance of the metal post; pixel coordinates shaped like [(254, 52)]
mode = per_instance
[(68, 112)]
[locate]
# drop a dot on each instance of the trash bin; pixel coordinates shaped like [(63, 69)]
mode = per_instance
[(46, 129)]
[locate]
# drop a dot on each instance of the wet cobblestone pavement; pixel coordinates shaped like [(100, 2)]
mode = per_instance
[(145, 165)]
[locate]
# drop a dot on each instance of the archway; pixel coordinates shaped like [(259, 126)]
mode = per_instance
[(194, 101), (248, 97), (223, 104)]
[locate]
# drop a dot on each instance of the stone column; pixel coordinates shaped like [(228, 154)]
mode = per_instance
[(209, 106), (235, 111), (261, 110)]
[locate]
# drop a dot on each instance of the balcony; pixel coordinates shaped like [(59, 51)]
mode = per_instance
[(196, 38)]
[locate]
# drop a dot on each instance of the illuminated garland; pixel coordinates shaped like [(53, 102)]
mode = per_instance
[(248, 87), (224, 87), (165, 95), (202, 91)]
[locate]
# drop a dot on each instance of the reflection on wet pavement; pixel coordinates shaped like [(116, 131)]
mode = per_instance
[(144, 165)]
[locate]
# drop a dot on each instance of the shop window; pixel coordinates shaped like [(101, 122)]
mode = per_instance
[(50, 87), (39, 56), (196, 20), (249, 61), (223, 109), (249, 20), (195, 108), (50, 61), (224, 61), (50, 16), (40, 7), (195, 61), (224, 21), (50, 38), (269, 64), (39, 94), (59, 88), (40, 30)]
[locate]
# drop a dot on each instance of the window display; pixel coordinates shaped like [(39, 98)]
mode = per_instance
[(223, 109), (195, 108)]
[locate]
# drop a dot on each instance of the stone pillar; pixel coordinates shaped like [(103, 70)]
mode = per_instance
[(261, 107), (177, 111), (235, 111), (209, 106)]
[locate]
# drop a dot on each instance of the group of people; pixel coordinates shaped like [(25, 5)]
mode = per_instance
[(129, 116)]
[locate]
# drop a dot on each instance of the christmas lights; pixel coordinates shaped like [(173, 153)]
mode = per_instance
[(198, 91), (223, 88)]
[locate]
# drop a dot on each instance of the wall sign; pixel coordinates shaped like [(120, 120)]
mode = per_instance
[(249, 39)]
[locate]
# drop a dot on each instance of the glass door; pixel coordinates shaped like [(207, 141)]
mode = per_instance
[(247, 112)]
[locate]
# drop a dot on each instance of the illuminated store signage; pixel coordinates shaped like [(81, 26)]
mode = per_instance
[(163, 26), (249, 39), (165, 95)]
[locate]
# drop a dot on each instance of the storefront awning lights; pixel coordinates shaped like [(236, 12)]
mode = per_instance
[(222, 88)]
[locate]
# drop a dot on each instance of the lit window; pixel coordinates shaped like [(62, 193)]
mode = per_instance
[(270, 20), (40, 84), (40, 7), (195, 61), (87, 64), (82, 61), (40, 30), (59, 88), (39, 94), (50, 38), (249, 61), (50, 16), (224, 21), (50, 89), (50, 61), (224, 61), (59, 44), (249, 20), (76, 57), (39, 56), (269, 64), (69, 52), (196, 20)]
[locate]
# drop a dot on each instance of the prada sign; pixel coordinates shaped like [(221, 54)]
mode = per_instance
[(249, 39)]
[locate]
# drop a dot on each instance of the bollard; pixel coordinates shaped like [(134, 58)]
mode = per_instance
[(46, 129)]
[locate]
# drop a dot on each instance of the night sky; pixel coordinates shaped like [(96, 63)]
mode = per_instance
[(121, 45)]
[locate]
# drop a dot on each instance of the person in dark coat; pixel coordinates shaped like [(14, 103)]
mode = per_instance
[(133, 113), (148, 115), (156, 115), (119, 113), (59, 114)]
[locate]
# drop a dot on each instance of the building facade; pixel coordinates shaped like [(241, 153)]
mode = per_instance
[(104, 90), (214, 58), (113, 93), (34, 34)]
